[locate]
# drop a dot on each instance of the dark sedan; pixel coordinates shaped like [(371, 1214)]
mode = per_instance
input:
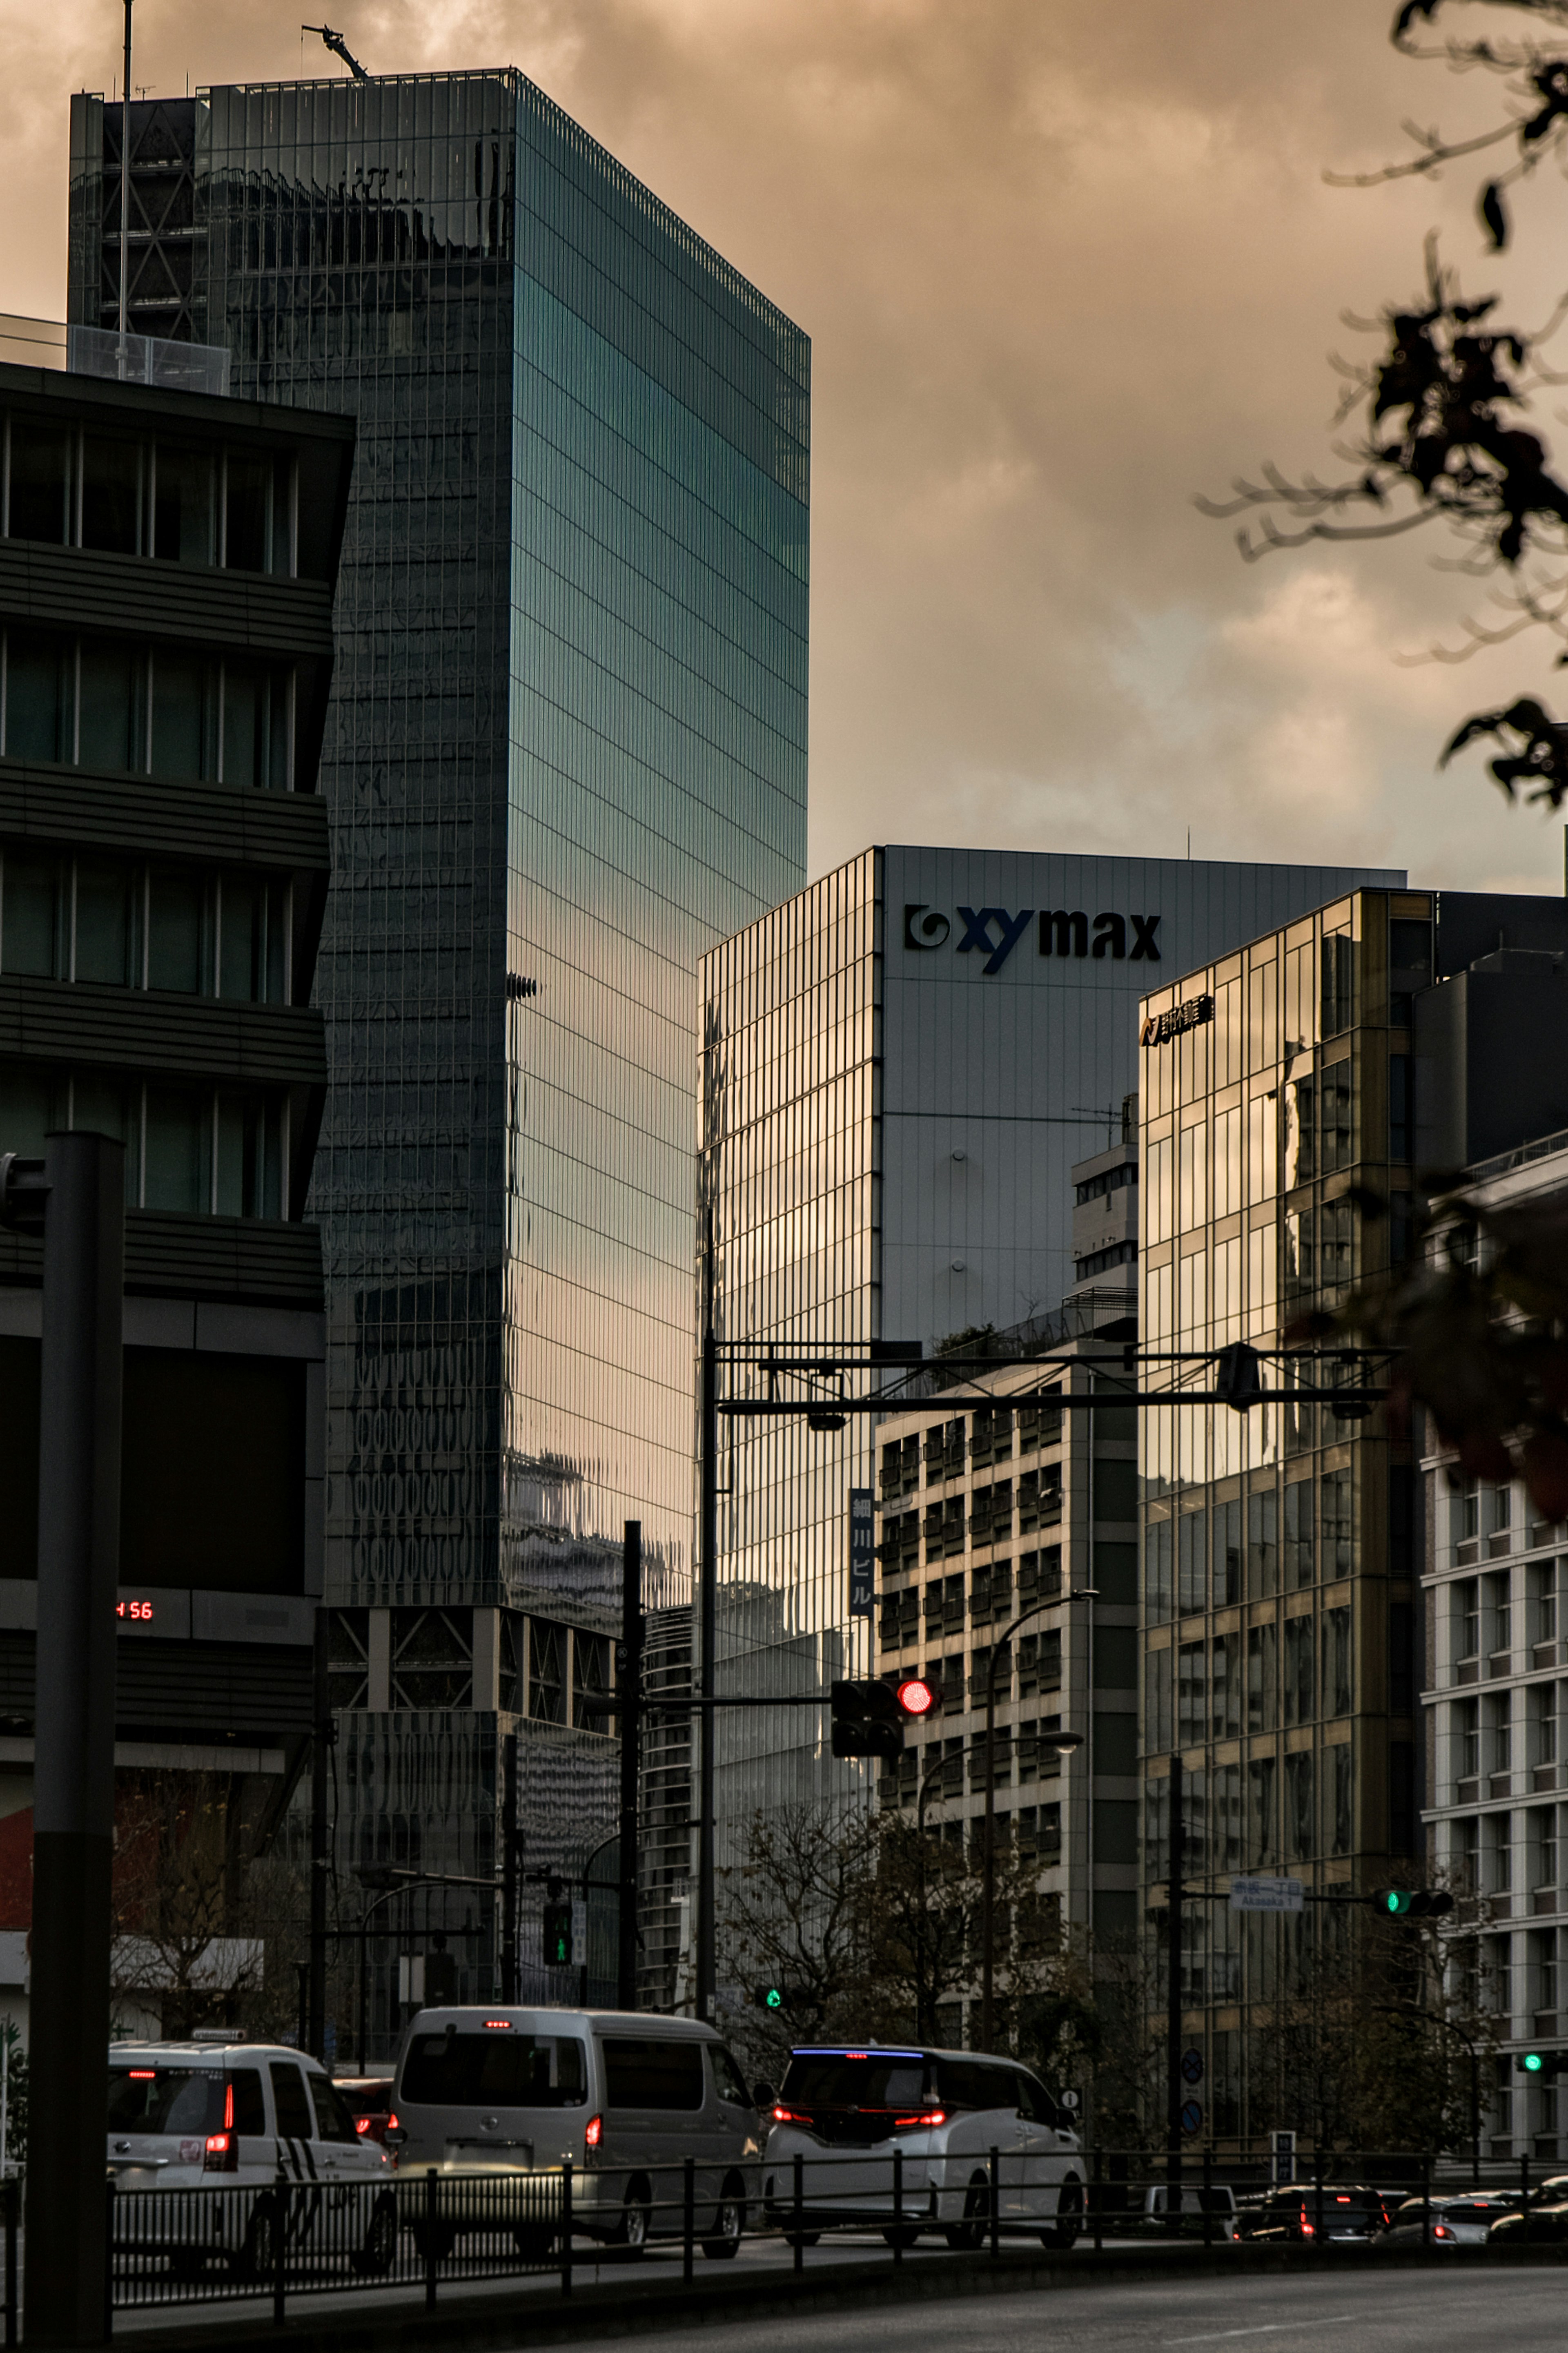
[(1542, 2226), (1341, 2210)]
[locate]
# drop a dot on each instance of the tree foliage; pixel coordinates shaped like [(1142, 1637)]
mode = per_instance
[(1439, 429)]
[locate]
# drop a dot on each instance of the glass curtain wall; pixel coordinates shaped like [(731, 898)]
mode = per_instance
[(789, 1168), (1272, 1541), (565, 754)]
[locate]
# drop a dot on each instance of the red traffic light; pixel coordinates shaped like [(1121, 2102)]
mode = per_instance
[(916, 1696)]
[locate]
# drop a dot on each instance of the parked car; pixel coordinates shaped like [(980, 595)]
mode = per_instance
[(1542, 2226), (1349, 2212), (845, 2112), (624, 2098), (368, 2099), (233, 2114), (1456, 2221)]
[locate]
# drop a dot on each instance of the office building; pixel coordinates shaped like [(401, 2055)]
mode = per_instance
[(1282, 1087), (900, 1068), (565, 754), (166, 572), (1495, 1611), (998, 1511)]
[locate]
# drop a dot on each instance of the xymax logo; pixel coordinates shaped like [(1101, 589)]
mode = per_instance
[(1063, 932)]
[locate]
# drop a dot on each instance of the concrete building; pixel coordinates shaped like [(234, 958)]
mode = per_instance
[(901, 1067), (1280, 1087), (565, 754), (168, 564), (1494, 1697)]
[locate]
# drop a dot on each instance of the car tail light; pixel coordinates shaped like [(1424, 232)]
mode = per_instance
[(595, 2132), (1441, 2231), (782, 2116), (229, 2108), (222, 2153), (1307, 2229), (362, 2123), (927, 2116), (392, 2123), (143, 2074)]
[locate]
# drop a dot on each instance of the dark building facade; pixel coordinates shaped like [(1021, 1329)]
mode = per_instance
[(166, 573), (565, 754)]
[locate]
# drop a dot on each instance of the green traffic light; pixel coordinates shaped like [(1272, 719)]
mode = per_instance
[(1532, 2062), (773, 1999)]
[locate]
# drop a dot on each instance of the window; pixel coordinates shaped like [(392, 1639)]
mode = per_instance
[(111, 493), (1227, 1553), (1542, 1723), (1543, 1602), (1262, 1545), (165, 2100), (34, 929), (333, 2121), (1400, 1659), (1158, 1723), (1298, 1676), (243, 2102), (1464, 1617), (1226, 1687), (1191, 1698), (1192, 1562), (1158, 1594), (1262, 1678), (1338, 961), (180, 502), (122, 707), (590, 1673), (1299, 1551), (1261, 1830), (1337, 1676), (544, 2071), (1337, 1118), (38, 482), (546, 1672), (1338, 1516), (1298, 1794), (1466, 1729), (291, 2106), (1497, 1610), (432, 1658), (1497, 1733), (183, 504), (1039, 1664), (727, 2077), (1343, 1827)]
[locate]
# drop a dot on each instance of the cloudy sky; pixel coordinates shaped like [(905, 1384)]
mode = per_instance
[(1063, 263)]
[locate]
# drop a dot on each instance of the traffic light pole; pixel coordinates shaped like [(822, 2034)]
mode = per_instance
[(707, 1590), (1177, 1894), (77, 1194), (630, 1681)]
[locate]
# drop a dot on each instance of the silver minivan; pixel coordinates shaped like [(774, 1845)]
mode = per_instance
[(626, 2098)]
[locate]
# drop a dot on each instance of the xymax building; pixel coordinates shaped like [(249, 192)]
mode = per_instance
[(899, 1067)]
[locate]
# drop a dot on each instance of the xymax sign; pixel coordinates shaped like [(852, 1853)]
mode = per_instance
[(994, 933)]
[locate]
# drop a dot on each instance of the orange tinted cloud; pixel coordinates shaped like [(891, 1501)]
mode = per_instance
[(1062, 266)]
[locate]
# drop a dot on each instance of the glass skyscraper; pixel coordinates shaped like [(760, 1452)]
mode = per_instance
[(565, 754)]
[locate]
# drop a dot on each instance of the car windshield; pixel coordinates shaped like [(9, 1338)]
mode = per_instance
[(520, 2071), (855, 2079), (164, 2099)]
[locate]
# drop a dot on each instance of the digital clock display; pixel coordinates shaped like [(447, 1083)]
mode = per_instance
[(141, 1611)]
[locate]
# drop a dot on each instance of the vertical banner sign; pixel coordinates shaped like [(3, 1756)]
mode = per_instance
[(862, 1553)]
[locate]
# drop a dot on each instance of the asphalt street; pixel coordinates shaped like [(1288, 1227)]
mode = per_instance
[(1400, 2312)]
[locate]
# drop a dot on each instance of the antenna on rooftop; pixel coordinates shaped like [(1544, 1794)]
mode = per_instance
[(340, 48)]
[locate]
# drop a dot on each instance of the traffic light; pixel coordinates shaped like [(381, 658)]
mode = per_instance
[(1238, 1377), (868, 1719), (1413, 1903), (558, 1952), (1540, 2063)]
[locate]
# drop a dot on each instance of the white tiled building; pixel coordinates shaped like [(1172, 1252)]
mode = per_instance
[(1496, 1605)]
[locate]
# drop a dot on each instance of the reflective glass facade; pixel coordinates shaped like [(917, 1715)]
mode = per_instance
[(900, 1068), (565, 754)]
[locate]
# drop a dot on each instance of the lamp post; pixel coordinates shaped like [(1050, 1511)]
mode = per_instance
[(1064, 1742)]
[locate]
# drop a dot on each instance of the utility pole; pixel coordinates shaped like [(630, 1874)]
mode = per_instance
[(325, 1734), (708, 1575), (509, 1868), (1173, 1996), (77, 1193), (125, 201), (629, 1680)]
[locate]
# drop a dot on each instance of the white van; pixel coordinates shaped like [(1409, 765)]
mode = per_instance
[(846, 2112), (623, 2097), (232, 2115)]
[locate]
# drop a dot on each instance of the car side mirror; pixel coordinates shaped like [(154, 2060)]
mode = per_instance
[(764, 2094)]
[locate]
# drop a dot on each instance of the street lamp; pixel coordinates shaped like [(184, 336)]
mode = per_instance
[(1063, 1742)]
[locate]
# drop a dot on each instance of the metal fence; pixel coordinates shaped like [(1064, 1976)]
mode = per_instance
[(430, 2228)]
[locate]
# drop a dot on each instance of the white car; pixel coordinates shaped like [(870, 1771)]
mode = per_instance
[(846, 2112), (1456, 2221), (222, 2115)]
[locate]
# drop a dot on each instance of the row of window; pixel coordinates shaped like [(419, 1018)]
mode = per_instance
[(130, 495), (1239, 1550), (546, 1671), (214, 1151), (1490, 1854), (994, 1594), (1265, 1678), (1481, 1732), (1269, 1811), (1279, 1003), (132, 925), (1019, 1753), (979, 1438), (1482, 1621), (106, 703)]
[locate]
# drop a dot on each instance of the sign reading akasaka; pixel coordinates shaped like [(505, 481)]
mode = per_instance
[(1161, 1028)]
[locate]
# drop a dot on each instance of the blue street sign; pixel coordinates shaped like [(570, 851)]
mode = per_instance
[(1191, 2116), (1191, 2066)]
